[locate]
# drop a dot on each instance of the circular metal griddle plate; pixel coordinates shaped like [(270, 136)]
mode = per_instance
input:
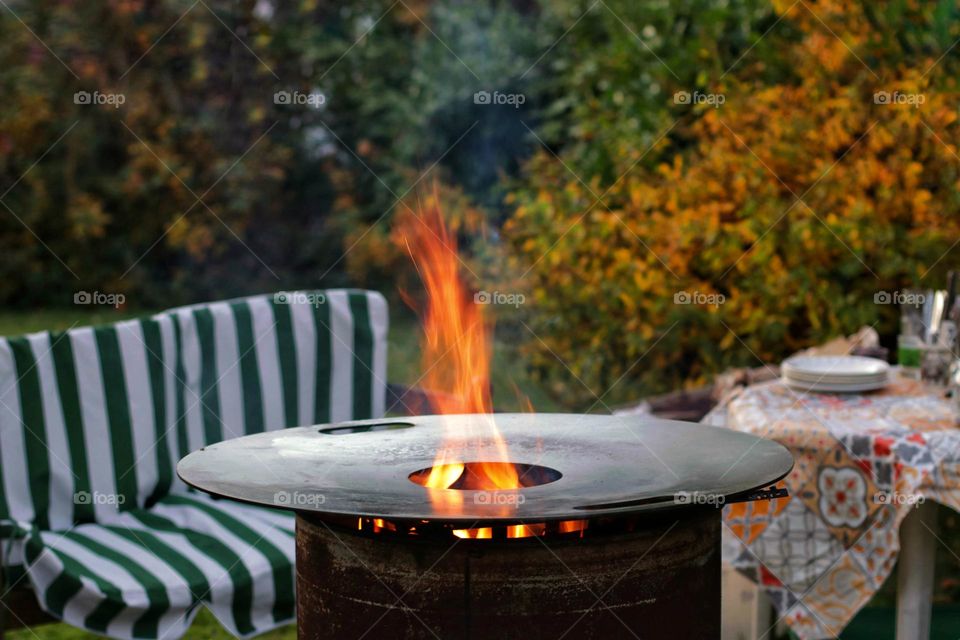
[(610, 465)]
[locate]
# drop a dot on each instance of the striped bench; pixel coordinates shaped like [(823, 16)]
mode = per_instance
[(93, 421)]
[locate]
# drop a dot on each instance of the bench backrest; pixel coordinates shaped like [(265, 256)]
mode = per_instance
[(93, 420)]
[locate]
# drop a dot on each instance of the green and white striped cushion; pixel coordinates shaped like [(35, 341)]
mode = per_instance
[(145, 574), (284, 360), (93, 420), (85, 422)]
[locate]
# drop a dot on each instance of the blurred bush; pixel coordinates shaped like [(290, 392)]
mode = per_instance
[(754, 227), (192, 184), (618, 183), (425, 127), (195, 182)]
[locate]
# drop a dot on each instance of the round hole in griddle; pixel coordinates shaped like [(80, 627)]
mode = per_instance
[(478, 475), (366, 428)]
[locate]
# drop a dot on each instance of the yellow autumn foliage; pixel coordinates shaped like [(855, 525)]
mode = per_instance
[(768, 224)]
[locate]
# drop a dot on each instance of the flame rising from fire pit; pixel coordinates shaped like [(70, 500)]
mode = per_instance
[(456, 359)]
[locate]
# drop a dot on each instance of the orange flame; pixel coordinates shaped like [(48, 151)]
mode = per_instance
[(456, 357), (456, 360)]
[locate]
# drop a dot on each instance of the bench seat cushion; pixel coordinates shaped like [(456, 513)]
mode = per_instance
[(94, 420), (145, 573)]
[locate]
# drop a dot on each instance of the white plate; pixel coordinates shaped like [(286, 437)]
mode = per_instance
[(835, 366), (834, 388), (834, 379)]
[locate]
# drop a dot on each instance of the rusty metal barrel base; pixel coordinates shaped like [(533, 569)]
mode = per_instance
[(661, 579)]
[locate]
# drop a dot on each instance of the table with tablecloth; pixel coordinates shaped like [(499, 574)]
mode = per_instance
[(862, 463)]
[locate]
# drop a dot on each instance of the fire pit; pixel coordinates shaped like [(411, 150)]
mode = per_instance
[(615, 523)]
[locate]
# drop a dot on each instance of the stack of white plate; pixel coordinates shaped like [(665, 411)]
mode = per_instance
[(835, 374)]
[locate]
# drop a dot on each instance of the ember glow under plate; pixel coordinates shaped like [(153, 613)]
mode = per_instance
[(608, 465)]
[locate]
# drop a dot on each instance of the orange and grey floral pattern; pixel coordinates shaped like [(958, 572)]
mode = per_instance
[(862, 462)]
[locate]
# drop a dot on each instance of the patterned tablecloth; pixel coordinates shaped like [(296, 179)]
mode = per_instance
[(861, 463)]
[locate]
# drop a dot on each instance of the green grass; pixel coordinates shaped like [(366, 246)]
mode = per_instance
[(874, 623), (510, 383), (16, 322), (204, 627)]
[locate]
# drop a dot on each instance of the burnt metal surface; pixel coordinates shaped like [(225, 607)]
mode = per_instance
[(609, 465), (660, 580)]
